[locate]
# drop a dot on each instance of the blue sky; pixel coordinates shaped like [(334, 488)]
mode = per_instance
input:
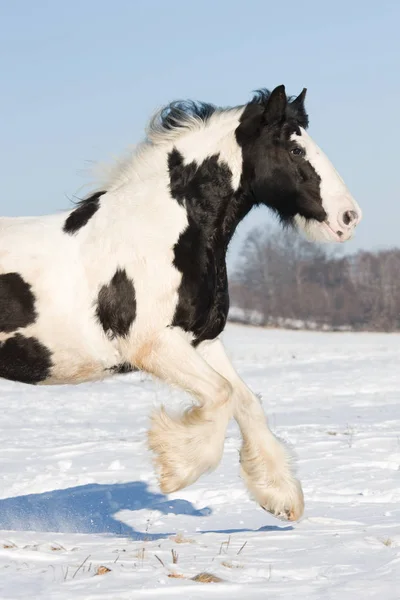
[(79, 79)]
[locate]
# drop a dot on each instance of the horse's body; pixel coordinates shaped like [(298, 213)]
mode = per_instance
[(135, 276)]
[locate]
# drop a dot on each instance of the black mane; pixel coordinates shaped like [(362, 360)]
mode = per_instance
[(179, 112)]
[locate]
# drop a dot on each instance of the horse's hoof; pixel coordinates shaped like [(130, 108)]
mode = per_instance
[(284, 502), (286, 515)]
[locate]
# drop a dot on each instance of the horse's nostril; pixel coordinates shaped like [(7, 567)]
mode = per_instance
[(349, 216)]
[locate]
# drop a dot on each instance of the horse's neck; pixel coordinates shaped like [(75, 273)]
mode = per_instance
[(239, 206), (214, 149)]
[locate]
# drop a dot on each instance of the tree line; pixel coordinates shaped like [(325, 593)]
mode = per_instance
[(286, 281)]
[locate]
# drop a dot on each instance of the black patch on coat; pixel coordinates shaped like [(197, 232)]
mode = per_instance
[(17, 303), (82, 214), (24, 359), (123, 368), (199, 254), (116, 305)]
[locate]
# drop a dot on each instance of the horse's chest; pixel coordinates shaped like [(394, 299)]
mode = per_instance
[(203, 297)]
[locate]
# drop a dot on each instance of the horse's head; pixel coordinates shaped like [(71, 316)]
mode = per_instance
[(284, 169)]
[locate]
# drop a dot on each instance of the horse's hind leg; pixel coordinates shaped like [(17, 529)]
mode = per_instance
[(265, 462), (191, 444)]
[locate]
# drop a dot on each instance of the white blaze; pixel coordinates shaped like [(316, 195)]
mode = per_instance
[(336, 198)]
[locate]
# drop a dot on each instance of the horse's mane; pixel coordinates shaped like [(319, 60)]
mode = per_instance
[(172, 119), (178, 115)]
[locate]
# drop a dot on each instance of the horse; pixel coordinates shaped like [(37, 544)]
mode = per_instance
[(134, 277)]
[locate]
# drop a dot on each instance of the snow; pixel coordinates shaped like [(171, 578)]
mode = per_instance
[(78, 490)]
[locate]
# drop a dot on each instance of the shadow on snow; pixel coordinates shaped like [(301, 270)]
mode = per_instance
[(92, 509)]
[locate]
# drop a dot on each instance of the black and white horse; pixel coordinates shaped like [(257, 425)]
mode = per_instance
[(135, 278)]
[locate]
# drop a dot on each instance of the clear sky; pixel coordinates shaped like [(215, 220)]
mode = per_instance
[(80, 78)]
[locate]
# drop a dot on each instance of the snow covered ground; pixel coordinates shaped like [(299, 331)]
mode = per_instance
[(78, 491)]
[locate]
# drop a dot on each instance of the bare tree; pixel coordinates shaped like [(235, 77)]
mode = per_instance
[(288, 279)]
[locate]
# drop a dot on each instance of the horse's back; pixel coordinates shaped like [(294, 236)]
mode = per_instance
[(23, 239)]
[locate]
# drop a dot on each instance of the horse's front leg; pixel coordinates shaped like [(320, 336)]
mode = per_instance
[(266, 464), (191, 444)]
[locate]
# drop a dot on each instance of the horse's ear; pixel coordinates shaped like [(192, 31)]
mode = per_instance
[(299, 101), (297, 108), (275, 109)]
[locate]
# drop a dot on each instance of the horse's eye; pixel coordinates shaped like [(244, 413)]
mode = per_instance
[(298, 151)]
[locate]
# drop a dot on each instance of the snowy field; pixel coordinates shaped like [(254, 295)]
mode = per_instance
[(78, 494)]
